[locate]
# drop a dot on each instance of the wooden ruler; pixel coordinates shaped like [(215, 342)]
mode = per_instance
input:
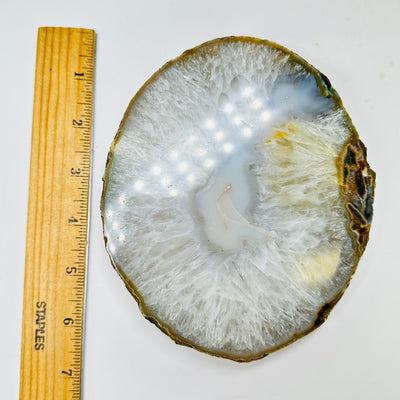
[(56, 244)]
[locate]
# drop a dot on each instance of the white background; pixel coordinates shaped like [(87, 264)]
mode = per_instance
[(356, 353)]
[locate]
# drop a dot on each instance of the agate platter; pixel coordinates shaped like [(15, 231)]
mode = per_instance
[(237, 198)]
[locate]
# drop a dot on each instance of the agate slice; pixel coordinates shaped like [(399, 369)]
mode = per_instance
[(237, 198)]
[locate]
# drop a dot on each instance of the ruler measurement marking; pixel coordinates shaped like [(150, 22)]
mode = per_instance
[(77, 303)]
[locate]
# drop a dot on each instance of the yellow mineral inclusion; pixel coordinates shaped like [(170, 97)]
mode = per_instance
[(319, 267), (277, 135)]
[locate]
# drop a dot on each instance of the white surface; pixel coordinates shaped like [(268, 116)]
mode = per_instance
[(355, 354)]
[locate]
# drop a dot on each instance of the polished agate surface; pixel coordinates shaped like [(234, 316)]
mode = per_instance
[(229, 198)]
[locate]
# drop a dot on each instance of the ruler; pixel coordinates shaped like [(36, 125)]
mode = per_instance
[(57, 228)]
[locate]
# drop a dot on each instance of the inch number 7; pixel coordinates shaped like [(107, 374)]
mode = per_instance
[(68, 372)]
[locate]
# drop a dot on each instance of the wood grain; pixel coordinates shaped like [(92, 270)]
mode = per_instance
[(57, 230)]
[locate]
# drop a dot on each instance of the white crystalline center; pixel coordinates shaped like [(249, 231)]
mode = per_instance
[(222, 204)]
